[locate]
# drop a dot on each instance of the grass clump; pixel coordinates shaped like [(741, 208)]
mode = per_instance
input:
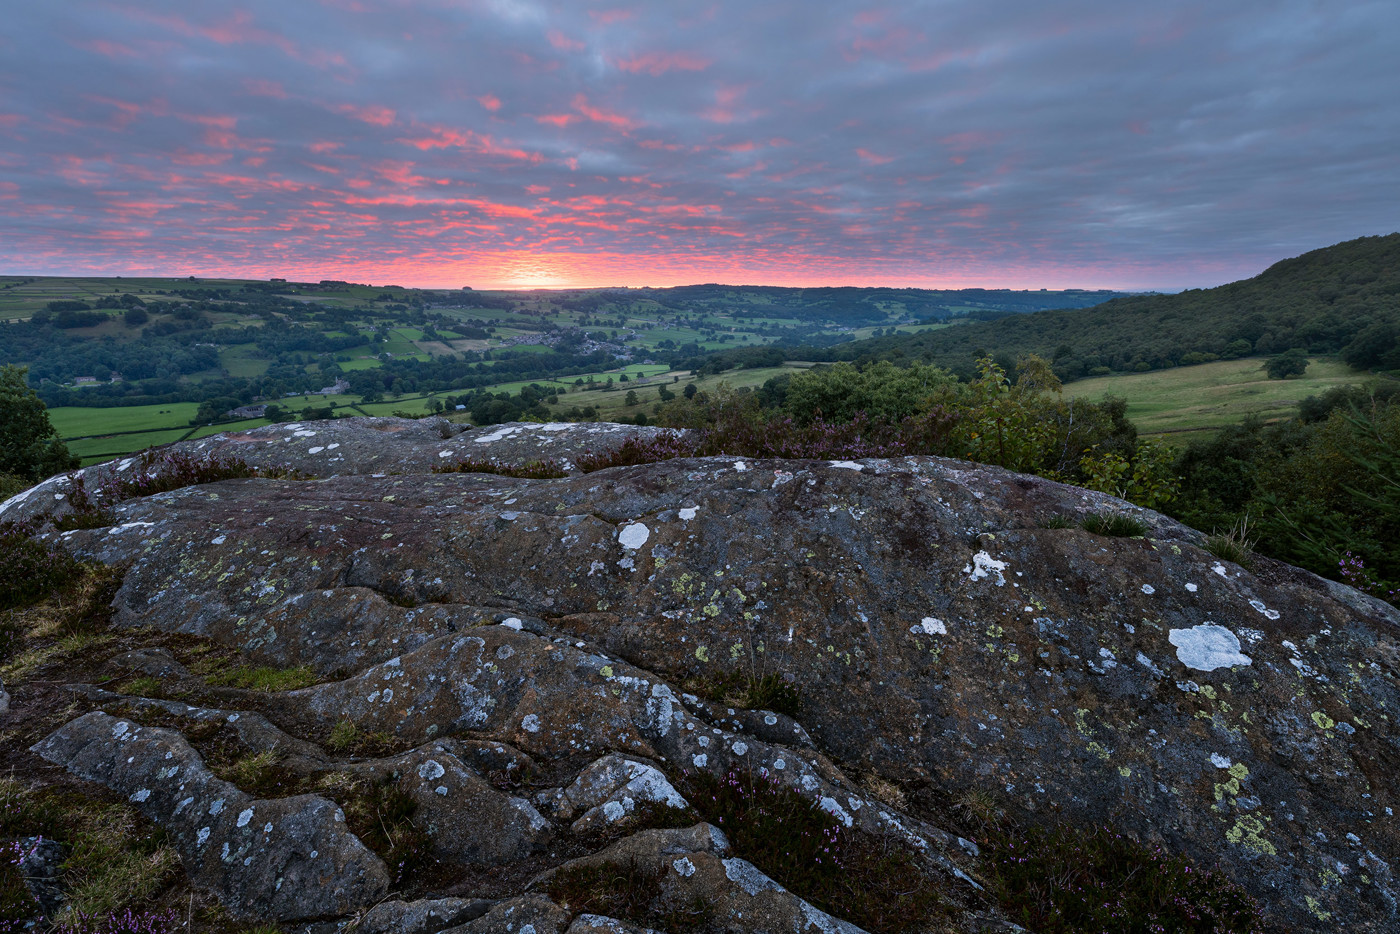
[(1234, 545), (116, 860), (530, 470), (1065, 880), (345, 738), (627, 891), (749, 691), (871, 880), (268, 680), (1057, 521), (1114, 525)]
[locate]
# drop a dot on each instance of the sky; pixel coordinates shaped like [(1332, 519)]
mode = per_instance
[(520, 143)]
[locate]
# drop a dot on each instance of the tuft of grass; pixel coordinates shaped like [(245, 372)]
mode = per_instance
[(1065, 880), (265, 679), (1113, 525), (1056, 521), (251, 772), (1234, 545), (751, 691), (144, 686), (872, 881), (115, 860), (627, 891), (343, 736), (530, 470)]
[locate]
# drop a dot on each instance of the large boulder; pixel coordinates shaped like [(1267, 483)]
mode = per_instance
[(939, 631)]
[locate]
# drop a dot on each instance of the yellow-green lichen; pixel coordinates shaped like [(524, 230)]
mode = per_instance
[(1248, 832)]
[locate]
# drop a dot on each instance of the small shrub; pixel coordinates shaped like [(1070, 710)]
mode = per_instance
[(1061, 880), (381, 815), (16, 902), (11, 638), (629, 892), (1234, 545), (265, 679), (1351, 568), (155, 472), (125, 921), (872, 881), (33, 569), (530, 470), (1113, 525)]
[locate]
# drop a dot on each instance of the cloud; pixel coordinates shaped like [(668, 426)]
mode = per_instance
[(1085, 143)]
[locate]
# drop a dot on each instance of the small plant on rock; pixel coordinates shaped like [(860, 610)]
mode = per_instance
[(1065, 880), (1113, 525), (1056, 521), (871, 880), (265, 679), (530, 470), (1235, 545), (627, 891)]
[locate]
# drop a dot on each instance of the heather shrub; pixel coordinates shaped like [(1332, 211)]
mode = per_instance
[(530, 470), (873, 881), (33, 569), (1064, 880)]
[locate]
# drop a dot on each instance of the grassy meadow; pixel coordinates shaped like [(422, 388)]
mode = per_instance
[(1210, 396)]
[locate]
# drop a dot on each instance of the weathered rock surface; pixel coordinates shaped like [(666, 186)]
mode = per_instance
[(609, 790), (426, 916), (284, 859), (938, 636), (467, 820)]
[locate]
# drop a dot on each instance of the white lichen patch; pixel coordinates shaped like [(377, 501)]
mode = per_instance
[(930, 626), (1192, 588), (1207, 647), (1148, 589), (984, 565), (687, 513), (1260, 607), (633, 536), (1219, 761), (847, 465)]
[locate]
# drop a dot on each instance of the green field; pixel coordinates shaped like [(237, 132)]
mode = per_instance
[(76, 422), (1210, 396)]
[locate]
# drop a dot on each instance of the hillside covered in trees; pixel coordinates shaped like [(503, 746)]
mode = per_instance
[(1341, 299)]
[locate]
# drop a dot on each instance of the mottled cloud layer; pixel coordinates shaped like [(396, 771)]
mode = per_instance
[(1021, 143)]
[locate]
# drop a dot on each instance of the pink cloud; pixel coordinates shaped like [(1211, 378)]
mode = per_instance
[(873, 158), (490, 101), (608, 17), (372, 114), (656, 63), (598, 115), (562, 42)]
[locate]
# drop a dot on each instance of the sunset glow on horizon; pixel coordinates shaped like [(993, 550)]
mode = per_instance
[(522, 144)]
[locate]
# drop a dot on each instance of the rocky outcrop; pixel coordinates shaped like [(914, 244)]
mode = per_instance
[(941, 635), (283, 860)]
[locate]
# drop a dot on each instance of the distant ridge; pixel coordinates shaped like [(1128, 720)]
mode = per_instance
[(1343, 298)]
